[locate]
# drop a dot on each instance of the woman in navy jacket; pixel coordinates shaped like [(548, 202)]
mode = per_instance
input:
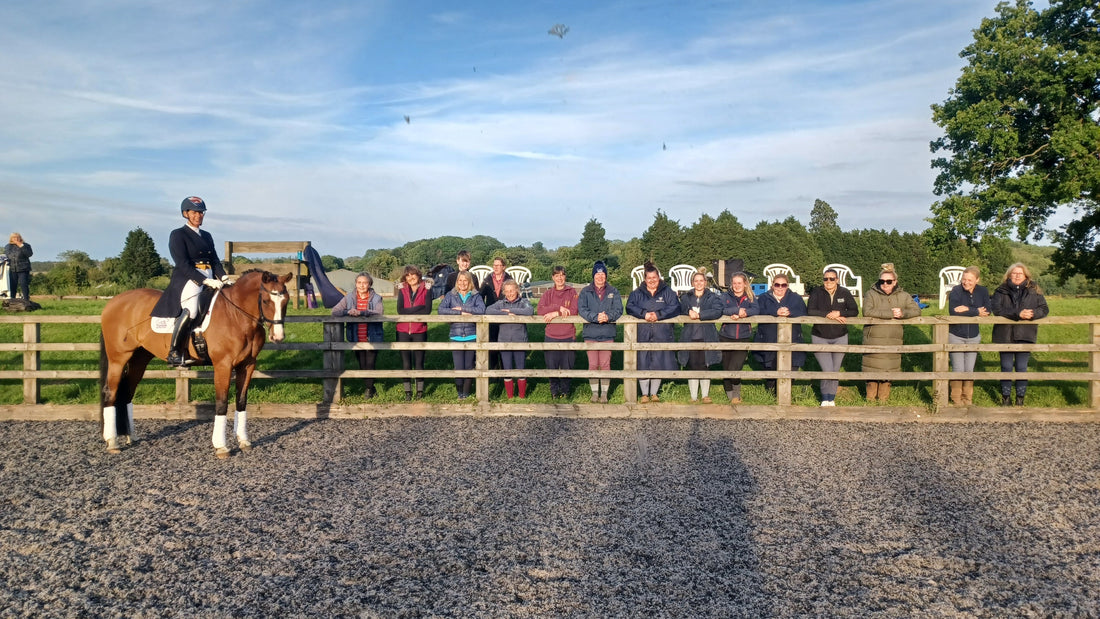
[(779, 301), (653, 301), (511, 304), (363, 301), (600, 305), (966, 299), (834, 302), (463, 301), (700, 303), (1018, 298), (738, 303)]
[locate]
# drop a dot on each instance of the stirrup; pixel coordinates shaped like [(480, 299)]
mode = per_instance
[(200, 344)]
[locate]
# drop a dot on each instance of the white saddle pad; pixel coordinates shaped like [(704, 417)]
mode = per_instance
[(165, 325)]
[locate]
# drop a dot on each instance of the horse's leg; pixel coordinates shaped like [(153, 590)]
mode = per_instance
[(222, 372), (240, 416), (134, 373), (110, 376)]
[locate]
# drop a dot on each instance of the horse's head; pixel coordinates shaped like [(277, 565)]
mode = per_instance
[(271, 296)]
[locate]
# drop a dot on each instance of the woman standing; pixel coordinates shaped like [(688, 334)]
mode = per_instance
[(738, 303), (19, 255), (835, 303), (886, 300), (491, 291), (463, 301), (966, 299), (363, 301), (512, 305), (779, 301), (415, 297), (699, 303), (600, 305), (1017, 298), (653, 301), (557, 302)]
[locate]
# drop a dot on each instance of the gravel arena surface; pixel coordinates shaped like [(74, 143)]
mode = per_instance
[(549, 517)]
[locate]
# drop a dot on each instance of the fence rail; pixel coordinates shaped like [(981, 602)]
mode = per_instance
[(333, 372)]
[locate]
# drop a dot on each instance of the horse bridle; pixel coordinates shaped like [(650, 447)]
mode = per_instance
[(260, 306)]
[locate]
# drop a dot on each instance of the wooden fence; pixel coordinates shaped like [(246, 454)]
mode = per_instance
[(333, 373)]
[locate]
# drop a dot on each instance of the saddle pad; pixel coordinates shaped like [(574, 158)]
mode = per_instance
[(165, 325)]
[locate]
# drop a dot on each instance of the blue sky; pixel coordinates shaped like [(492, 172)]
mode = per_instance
[(289, 118)]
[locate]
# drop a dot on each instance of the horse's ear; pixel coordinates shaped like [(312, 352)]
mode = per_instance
[(286, 278)]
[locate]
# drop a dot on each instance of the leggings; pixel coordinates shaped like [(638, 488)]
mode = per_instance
[(963, 361), (512, 359), (559, 360), (829, 362), (366, 359), (1017, 361), (410, 357), (464, 360), (733, 361)]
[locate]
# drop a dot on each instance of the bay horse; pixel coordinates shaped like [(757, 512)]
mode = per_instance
[(234, 337)]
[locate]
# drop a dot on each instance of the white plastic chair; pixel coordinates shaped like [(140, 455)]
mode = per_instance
[(949, 278), (847, 279), (4, 292), (481, 271), (795, 281), (522, 277), (637, 275), (680, 277)]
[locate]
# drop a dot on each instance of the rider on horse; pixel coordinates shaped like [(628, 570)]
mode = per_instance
[(197, 265)]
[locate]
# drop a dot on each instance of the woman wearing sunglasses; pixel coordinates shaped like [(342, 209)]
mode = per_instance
[(779, 301), (886, 300), (835, 303)]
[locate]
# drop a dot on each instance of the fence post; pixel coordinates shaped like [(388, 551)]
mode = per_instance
[(1094, 366), (331, 388), (940, 363), (630, 362), (32, 362), (481, 362), (784, 335), (183, 390)]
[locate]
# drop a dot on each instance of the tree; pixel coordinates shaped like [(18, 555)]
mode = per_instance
[(1022, 131), (331, 263), (139, 261), (662, 242), (823, 218)]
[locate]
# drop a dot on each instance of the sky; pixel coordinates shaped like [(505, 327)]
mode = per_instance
[(368, 124)]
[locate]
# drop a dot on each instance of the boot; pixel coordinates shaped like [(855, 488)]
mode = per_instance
[(466, 384), (968, 392), (177, 356), (1006, 399), (408, 395), (523, 388), (509, 389), (769, 384), (872, 390), (1019, 399), (956, 392), (884, 391), (605, 384)]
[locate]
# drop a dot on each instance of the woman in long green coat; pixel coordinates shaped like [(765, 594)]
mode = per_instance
[(887, 300)]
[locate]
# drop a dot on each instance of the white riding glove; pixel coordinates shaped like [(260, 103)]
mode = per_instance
[(226, 281), (209, 282)]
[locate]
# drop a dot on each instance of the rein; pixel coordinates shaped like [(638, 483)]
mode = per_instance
[(261, 319)]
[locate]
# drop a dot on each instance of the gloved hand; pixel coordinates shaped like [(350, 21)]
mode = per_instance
[(226, 281), (210, 282)]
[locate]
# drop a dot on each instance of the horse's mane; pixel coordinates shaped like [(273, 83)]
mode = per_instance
[(243, 273)]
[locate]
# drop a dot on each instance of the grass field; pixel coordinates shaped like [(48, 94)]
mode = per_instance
[(1045, 394)]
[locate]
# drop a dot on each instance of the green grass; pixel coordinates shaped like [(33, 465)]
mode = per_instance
[(152, 391)]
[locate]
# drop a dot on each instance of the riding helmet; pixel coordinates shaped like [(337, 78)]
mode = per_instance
[(193, 203)]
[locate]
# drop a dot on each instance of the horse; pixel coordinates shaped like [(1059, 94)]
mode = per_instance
[(234, 337)]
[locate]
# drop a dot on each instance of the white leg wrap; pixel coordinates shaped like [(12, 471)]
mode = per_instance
[(240, 425), (219, 431), (130, 419), (110, 429)]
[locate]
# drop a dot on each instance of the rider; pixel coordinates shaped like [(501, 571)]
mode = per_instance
[(197, 265)]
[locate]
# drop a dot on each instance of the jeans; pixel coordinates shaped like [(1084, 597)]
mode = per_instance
[(1017, 361), (963, 361)]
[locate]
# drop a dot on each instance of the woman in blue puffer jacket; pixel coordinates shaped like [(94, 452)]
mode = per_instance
[(462, 300)]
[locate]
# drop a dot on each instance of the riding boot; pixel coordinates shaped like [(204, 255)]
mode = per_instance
[(956, 393), (177, 356), (968, 393), (884, 391), (872, 390), (523, 388)]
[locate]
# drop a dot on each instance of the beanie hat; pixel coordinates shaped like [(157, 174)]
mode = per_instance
[(599, 267)]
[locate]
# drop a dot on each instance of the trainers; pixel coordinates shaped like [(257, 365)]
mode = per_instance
[(707, 400), (828, 403), (655, 398), (644, 400), (595, 397), (735, 400), (603, 399)]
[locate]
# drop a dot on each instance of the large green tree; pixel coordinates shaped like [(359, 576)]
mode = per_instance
[(139, 261), (1022, 131), (823, 218)]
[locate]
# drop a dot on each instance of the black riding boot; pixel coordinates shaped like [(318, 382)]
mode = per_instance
[(177, 356)]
